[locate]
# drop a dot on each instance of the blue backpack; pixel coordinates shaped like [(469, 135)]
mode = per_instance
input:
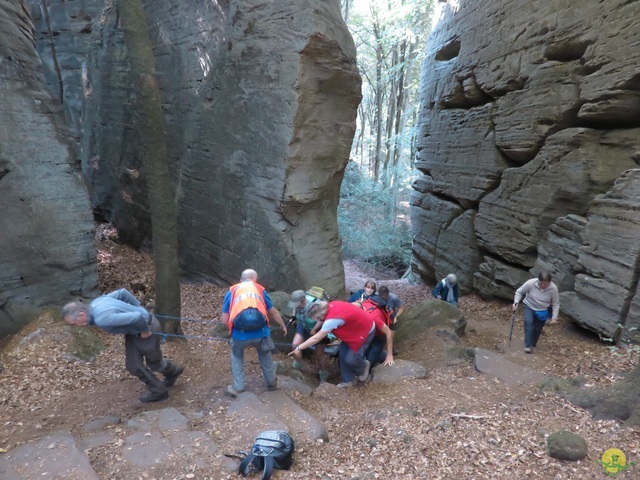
[(272, 449)]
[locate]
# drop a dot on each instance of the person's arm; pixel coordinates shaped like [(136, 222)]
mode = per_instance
[(389, 334), (316, 328), (126, 296), (555, 305), (131, 323), (436, 291), (520, 293), (275, 314), (398, 313), (226, 307), (310, 341)]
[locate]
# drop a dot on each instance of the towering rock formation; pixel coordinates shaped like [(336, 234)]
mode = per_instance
[(47, 252), (260, 99), (529, 137)]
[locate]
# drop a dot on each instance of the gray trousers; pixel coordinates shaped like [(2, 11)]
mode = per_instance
[(143, 356), (264, 357)]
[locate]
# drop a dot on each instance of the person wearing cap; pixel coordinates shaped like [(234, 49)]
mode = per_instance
[(120, 312), (447, 290), (307, 327)]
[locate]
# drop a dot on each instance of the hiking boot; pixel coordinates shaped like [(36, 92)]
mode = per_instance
[(346, 384), (365, 374), (527, 350), (154, 397), (171, 378), (297, 365), (271, 388), (232, 392)]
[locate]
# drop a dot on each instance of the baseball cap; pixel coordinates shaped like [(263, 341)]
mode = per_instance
[(296, 298)]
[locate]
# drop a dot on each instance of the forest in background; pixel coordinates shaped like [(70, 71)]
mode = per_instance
[(373, 215)]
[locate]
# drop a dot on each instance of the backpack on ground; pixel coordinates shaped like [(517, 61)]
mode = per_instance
[(272, 449)]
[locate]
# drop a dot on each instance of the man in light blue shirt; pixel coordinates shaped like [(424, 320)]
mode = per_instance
[(120, 312)]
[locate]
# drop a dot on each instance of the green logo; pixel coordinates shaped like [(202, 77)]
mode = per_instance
[(614, 461)]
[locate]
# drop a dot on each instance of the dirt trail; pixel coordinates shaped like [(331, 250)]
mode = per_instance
[(409, 430)]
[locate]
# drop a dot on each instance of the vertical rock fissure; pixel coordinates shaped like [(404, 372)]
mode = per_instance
[(633, 288)]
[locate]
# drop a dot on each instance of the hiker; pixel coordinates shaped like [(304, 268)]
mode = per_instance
[(540, 295), (383, 336), (447, 289), (121, 312), (306, 328), (351, 325), (364, 293), (393, 304), (246, 309)]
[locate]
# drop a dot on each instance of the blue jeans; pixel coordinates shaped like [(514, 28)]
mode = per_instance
[(264, 357), (532, 328), (376, 352), (352, 363)]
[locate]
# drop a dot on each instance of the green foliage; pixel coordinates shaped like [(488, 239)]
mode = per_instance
[(370, 229)]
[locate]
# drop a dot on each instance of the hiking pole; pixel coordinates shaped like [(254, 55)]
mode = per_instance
[(513, 320)]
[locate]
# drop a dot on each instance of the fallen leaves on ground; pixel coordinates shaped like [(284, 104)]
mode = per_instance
[(456, 423)]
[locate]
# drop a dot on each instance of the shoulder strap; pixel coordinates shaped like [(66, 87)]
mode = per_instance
[(245, 464), (268, 468)]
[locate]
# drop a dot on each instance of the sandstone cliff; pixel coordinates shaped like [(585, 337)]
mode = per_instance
[(260, 100), (529, 115), (47, 251)]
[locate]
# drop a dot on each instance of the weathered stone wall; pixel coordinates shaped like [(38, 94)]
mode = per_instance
[(47, 251), (260, 100), (529, 113)]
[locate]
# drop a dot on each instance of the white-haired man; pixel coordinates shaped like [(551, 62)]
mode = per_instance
[(246, 309), (121, 312), (448, 290)]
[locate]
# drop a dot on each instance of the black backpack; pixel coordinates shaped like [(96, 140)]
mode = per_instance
[(272, 448)]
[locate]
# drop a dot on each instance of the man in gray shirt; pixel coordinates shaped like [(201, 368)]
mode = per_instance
[(120, 312)]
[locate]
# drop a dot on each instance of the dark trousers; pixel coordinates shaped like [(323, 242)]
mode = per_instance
[(532, 328), (143, 356), (376, 352), (352, 363)]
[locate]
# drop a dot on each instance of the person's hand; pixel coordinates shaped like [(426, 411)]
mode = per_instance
[(296, 352), (515, 307), (146, 334), (388, 360), (395, 320), (284, 330), (553, 321)]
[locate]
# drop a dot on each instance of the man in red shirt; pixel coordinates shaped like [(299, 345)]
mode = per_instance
[(354, 327)]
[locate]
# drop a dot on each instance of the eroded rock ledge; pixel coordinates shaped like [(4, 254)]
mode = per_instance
[(530, 144)]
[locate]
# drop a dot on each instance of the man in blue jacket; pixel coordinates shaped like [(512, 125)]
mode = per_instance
[(447, 289), (121, 312)]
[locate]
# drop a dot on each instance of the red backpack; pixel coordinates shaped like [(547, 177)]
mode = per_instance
[(376, 307)]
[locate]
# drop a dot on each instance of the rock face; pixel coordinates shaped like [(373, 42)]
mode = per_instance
[(47, 250), (606, 288), (530, 113), (260, 100)]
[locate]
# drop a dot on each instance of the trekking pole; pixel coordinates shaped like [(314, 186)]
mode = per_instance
[(513, 320)]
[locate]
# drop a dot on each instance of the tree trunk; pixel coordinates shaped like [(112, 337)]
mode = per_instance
[(153, 149)]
